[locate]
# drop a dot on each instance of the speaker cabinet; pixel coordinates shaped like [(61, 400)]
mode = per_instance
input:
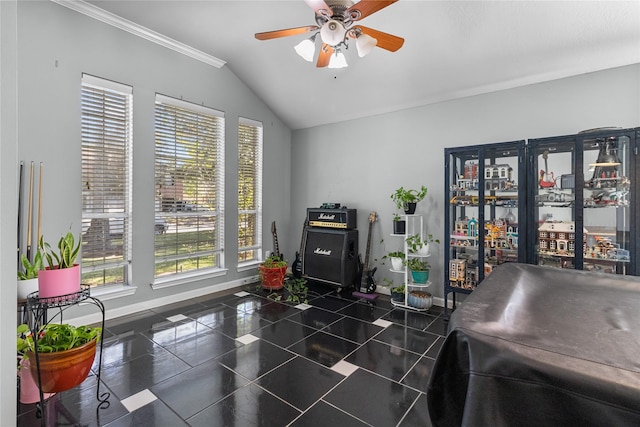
[(330, 256)]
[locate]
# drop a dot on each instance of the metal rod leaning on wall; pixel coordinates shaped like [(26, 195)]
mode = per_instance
[(30, 214)]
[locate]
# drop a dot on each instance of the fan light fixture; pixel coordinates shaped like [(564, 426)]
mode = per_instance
[(335, 24), (365, 44), (307, 48), (338, 60), (332, 32)]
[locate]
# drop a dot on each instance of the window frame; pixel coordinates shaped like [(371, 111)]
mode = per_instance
[(187, 112), (258, 155), (107, 133)]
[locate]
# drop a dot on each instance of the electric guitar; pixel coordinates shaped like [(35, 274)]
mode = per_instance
[(546, 180), (296, 267), (276, 249), (367, 282)]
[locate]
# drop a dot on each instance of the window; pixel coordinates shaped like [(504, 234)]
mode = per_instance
[(189, 187), (249, 190), (106, 127)]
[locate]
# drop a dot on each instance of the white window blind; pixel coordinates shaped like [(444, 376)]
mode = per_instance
[(189, 187), (249, 190), (106, 127)]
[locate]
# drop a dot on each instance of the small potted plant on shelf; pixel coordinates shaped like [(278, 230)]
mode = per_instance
[(397, 259), (419, 270), (65, 354), (406, 200), (62, 275), (28, 275), (418, 246), (272, 272), (397, 293), (399, 224)]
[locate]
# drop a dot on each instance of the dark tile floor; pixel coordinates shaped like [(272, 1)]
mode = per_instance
[(245, 360)]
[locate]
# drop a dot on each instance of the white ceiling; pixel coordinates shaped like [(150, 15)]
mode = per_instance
[(452, 49)]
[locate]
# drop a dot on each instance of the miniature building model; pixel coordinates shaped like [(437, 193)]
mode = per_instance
[(559, 237)]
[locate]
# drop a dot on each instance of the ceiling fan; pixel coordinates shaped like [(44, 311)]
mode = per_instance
[(335, 24)]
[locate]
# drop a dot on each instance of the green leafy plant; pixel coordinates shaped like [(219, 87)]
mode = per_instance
[(295, 290), (67, 254), (53, 338), (415, 243), (396, 217), (398, 289), (387, 283), (396, 254), (416, 264), (401, 197), (30, 270), (273, 261)]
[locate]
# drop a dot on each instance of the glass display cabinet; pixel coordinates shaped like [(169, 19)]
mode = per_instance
[(485, 212), (584, 211)]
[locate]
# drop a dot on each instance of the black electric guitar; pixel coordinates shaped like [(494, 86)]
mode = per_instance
[(367, 282), (276, 249), (296, 267)]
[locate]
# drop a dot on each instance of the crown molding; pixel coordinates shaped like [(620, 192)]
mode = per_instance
[(138, 30)]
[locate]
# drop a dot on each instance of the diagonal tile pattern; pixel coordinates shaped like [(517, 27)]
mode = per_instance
[(241, 358)]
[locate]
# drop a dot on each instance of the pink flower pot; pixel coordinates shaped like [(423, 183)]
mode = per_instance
[(58, 281)]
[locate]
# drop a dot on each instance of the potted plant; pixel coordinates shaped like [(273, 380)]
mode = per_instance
[(397, 293), (65, 354), (397, 259), (406, 200), (28, 276), (419, 270), (272, 272), (399, 224), (62, 275), (417, 245)]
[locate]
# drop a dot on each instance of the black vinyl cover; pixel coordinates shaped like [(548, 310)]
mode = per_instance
[(536, 346)]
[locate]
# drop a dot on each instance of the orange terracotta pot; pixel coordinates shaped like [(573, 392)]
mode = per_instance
[(63, 370), (273, 278)]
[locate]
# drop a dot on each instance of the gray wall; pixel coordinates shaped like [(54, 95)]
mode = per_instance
[(361, 162), (54, 46)]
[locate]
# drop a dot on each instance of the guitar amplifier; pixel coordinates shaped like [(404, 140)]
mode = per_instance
[(344, 219), (330, 256)]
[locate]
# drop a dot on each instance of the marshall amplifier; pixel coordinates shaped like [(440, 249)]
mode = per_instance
[(330, 256), (344, 219)]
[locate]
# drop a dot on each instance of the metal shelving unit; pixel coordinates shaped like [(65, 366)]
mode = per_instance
[(414, 225)]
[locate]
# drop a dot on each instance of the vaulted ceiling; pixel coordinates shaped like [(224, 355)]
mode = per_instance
[(452, 49)]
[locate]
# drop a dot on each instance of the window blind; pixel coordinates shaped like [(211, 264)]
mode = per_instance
[(106, 133), (249, 190), (189, 187)]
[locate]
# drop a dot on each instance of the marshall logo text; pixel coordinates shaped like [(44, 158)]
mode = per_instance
[(319, 251), (325, 216)]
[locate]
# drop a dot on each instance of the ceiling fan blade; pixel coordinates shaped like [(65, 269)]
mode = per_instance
[(285, 33), (385, 40), (365, 8), (318, 5), (325, 55)]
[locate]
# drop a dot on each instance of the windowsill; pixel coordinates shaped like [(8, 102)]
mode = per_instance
[(108, 292), (246, 266), (180, 279)]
